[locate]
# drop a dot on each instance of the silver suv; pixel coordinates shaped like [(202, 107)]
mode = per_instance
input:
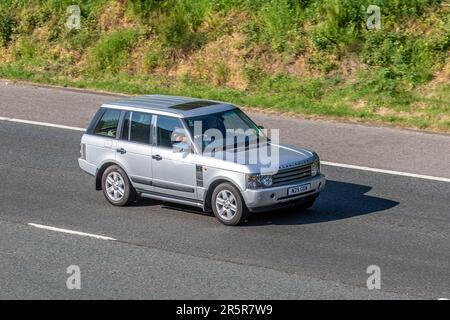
[(195, 152)]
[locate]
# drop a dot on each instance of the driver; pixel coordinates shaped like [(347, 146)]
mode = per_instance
[(179, 135)]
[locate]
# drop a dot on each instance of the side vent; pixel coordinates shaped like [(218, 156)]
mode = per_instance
[(199, 175)]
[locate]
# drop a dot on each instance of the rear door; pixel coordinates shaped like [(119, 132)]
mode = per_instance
[(173, 172), (100, 141), (134, 149)]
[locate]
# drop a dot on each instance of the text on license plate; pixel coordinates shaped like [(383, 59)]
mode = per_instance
[(299, 189)]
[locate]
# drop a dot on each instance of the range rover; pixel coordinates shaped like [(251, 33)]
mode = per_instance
[(195, 152)]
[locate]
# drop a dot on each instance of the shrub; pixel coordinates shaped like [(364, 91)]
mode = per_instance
[(339, 22), (80, 40), (143, 8), (111, 53), (280, 20), (381, 81), (394, 9), (409, 58), (179, 28), (24, 49), (7, 25), (175, 30), (227, 5), (195, 11), (156, 56)]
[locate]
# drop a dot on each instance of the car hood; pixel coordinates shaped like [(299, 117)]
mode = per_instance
[(279, 157)]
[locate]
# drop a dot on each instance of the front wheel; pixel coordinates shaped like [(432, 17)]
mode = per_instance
[(228, 205), (117, 187)]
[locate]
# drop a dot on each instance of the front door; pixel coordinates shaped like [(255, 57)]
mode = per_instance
[(173, 172), (134, 149)]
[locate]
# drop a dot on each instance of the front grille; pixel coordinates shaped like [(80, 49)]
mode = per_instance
[(290, 175)]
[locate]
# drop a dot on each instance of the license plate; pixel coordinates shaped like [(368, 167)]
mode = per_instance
[(299, 189)]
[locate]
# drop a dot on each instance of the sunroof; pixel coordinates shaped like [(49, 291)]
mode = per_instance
[(193, 105)]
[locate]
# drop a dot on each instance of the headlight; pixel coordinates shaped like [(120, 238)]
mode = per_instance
[(255, 181), (315, 168)]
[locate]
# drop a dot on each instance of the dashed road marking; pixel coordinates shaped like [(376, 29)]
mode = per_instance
[(397, 173), (78, 233), (44, 124)]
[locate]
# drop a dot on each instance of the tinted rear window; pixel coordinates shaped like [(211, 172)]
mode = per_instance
[(107, 126)]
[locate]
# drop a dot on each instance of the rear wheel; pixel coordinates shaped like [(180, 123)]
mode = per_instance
[(117, 187), (228, 205)]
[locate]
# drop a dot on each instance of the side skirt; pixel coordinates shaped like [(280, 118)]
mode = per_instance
[(169, 198)]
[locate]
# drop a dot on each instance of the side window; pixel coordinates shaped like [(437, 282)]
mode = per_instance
[(136, 127), (169, 131), (140, 127), (107, 126)]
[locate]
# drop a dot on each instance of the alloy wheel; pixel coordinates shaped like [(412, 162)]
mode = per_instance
[(226, 205), (115, 186)]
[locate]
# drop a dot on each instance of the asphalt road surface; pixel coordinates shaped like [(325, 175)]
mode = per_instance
[(398, 223)]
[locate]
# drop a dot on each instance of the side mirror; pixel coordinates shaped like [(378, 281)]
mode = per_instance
[(260, 127), (180, 147)]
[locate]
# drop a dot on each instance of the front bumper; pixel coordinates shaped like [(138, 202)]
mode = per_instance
[(277, 196)]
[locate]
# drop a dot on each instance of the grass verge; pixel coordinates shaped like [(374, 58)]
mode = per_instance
[(309, 98)]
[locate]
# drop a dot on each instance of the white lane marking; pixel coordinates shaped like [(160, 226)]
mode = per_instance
[(45, 124), (78, 233), (397, 173), (327, 163)]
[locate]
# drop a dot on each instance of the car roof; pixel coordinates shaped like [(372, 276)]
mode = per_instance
[(181, 107)]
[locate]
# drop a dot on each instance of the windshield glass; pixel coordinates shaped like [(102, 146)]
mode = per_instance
[(227, 129)]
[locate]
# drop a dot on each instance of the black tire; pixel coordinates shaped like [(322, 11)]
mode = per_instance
[(129, 193), (306, 205), (240, 214)]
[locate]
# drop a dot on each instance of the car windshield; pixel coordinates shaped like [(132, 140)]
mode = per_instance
[(226, 129)]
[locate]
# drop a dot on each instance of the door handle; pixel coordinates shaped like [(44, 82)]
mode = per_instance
[(121, 150), (157, 157)]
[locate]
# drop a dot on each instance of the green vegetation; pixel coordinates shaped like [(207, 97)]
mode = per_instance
[(111, 53), (310, 57)]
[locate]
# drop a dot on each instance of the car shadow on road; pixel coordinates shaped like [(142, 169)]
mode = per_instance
[(339, 200), (146, 202)]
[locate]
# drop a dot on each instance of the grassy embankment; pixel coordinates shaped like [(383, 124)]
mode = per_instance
[(315, 58)]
